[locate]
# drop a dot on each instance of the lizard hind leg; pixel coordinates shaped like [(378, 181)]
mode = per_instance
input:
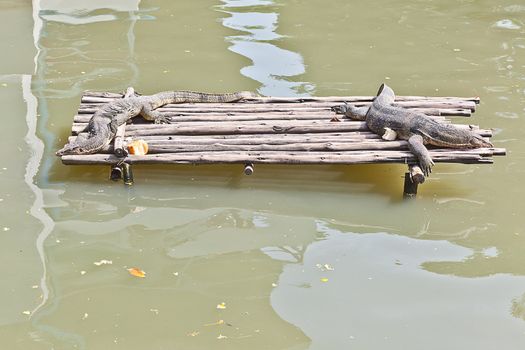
[(389, 135), (416, 146), (149, 114)]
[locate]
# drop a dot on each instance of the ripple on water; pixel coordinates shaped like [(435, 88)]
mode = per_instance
[(508, 115)]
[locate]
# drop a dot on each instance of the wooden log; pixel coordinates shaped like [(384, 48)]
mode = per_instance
[(248, 169), (254, 108), (127, 174), (296, 147), (209, 128), (104, 97), (241, 116), (116, 173), (357, 136), (416, 174), (118, 143), (409, 188), (273, 139), (355, 157)]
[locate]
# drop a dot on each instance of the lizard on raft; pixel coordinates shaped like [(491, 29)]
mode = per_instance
[(102, 127), (391, 122)]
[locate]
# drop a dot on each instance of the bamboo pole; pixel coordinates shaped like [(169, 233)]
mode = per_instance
[(416, 174), (257, 108), (241, 116), (261, 138), (118, 143), (355, 157), (104, 97), (209, 128)]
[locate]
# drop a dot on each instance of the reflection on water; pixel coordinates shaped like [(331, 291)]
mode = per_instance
[(272, 66), (84, 12), (369, 291)]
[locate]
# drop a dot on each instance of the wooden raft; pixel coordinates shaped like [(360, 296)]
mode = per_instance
[(275, 130)]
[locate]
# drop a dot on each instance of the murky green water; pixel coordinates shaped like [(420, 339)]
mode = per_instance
[(302, 257)]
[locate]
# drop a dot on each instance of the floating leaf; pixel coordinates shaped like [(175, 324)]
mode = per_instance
[(135, 271), (221, 306), (324, 279)]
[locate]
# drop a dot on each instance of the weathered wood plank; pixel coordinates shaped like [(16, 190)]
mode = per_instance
[(256, 108), (103, 97), (290, 115), (480, 155)]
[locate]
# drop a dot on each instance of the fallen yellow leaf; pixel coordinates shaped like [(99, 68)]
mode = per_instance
[(324, 279), (134, 271), (221, 306)]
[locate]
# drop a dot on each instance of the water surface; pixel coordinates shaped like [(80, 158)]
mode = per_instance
[(303, 257)]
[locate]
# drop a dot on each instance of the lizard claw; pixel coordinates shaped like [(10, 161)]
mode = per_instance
[(162, 120), (340, 109), (426, 164)]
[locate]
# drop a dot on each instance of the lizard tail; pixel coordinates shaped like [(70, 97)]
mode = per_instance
[(191, 96)]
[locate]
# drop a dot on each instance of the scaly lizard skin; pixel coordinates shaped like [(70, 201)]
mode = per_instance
[(102, 127), (417, 128)]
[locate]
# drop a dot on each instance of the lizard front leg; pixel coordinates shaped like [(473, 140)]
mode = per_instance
[(149, 114), (350, 111), (416, 146)]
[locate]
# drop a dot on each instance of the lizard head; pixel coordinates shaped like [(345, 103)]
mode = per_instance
[(71, 148), (477, 141)]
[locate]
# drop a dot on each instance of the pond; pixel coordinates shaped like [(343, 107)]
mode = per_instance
[(301, 257)]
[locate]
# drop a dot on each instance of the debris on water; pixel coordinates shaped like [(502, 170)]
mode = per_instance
[(325, 267), (6, 228), (222, 337), (103, 262), (274, 284), (135, 271), (324, 279), (506, 24), (83, 272), (193, 334), (221, 306), (85, 316), (27, 312), (155, 311), (218, 323)]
